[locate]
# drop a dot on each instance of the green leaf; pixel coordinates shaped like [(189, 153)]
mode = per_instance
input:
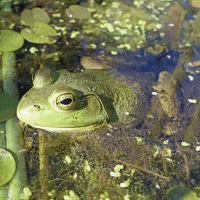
[(78, 12), (8, 106), (179, 192), (10, 40), (35, 15), (156, 49), (30, 35), (43, 29), (7, 166)]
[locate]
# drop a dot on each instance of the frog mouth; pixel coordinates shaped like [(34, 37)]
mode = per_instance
[(96, 126)]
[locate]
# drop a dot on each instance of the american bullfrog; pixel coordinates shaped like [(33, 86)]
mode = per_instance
[(62, 101)]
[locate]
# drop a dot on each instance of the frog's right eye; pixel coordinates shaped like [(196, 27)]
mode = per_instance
[(66, 101), (43, 78)]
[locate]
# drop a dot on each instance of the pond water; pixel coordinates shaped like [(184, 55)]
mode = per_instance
[(151, 48)]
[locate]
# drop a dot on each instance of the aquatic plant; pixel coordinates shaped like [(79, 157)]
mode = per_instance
[(7, 166), (179, 192), (11, 41), (77, 12), (39, 32), (117, 26)]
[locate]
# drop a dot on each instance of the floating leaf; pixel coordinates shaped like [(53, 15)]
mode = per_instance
[(125, 184), (43, 29), (117, 168), (178, 192), (10, 40), (30, 35), (78, 12), (35, 15), (7, 166), (156, 49), (8, 106)]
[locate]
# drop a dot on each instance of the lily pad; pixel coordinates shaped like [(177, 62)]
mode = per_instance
[(156, 49), (8, 106), (179, 192), (78, 12), (7, 166), (35, 15), (31, 36), (10, 40), (43, 29)]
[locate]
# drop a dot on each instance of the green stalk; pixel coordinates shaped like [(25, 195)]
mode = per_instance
[(44, 166), (4, 188), (14, 137)]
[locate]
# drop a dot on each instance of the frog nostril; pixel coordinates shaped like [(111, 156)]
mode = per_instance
[(36, 106)]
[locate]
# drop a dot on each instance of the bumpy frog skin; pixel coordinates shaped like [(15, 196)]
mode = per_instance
[(62, 101)]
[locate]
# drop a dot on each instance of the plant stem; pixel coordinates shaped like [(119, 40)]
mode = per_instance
[(44, 166), (14, 137), (4, 188)]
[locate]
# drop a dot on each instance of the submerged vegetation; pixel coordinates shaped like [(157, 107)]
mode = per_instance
[(117, 162)]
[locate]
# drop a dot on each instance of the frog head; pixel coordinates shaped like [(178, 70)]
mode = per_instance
[(54, 106)]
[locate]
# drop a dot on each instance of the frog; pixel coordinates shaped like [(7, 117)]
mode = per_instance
[(63, 101)]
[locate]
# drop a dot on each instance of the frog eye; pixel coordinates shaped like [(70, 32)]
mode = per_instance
[(66, 101)]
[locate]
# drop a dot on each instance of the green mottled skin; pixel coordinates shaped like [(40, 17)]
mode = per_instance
[(109, 101)]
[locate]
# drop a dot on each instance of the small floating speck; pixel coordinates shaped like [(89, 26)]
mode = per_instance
[(33, 50), (126, 113), (157, 186), (139, 139), (94, 46), (115, 174), (154, 93), (192, 100), (191, 78), (185, 144), (168, 56), (67, 159), (166, 142), (171, 25), (198, 148), (150, 116), (168, 159), (56, 15), (125, 184), (114, 52)]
